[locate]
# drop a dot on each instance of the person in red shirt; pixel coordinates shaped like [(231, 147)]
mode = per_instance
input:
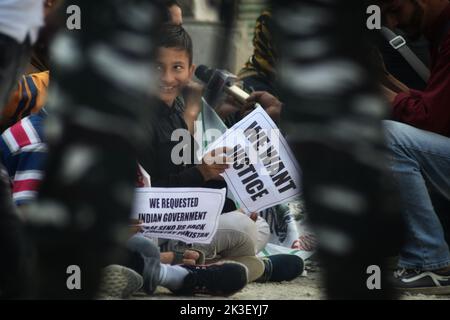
[(428, 109), (418, 144)]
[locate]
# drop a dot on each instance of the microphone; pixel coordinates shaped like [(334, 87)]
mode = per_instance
[(219, 82), (203, 73)]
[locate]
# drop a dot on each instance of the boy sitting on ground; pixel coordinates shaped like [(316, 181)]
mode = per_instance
[(236, 235)]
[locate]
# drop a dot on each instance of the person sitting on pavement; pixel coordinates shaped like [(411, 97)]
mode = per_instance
[(418, 143), (236, 235)]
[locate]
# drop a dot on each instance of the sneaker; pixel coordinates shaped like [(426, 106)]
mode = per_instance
[(281, 267), (219, 279), (425, 282), (254, 265), (119, 282)]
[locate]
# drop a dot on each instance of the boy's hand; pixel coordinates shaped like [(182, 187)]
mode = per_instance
[(192, 92), (389, 94), (214, 163), (253, 215), (189, 257), (272, 105), (135, 226)]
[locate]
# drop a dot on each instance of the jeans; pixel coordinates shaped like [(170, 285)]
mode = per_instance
[(145, 260), (420, 160)]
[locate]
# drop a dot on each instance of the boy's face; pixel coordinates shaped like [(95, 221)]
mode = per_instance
[(175, 72)]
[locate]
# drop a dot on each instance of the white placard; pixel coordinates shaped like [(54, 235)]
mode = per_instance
[(264, 172), (187, 214)]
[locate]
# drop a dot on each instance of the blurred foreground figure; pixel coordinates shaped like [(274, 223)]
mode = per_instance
[(101, 81), (19, 26), (333, 120)]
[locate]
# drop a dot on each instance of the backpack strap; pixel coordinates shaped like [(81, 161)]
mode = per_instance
[(399, 44)]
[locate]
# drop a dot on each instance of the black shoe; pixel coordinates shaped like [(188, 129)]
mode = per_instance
[(281, 267), (425, 282), (219, 279)]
